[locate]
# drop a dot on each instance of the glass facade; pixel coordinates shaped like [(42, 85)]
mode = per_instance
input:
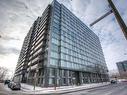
[(73, 44), (122, 66), (75, 52), (60, 50)]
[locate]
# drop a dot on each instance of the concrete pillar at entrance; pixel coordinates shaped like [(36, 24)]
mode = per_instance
[(60, 77), (57, 77), (46, 77), (80, 78), (67, 77)]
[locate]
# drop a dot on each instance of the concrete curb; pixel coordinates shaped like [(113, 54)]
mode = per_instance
[(74, 90), (70, 91)]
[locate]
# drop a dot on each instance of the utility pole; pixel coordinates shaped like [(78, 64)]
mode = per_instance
[(117, 16)]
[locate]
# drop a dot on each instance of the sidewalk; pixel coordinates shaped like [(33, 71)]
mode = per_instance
[(63, 89)]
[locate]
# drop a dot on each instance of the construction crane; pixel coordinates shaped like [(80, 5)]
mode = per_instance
[(100, 18), (117, 16)]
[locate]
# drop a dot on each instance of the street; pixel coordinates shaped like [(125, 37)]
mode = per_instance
[(114, 89), (4, 90)]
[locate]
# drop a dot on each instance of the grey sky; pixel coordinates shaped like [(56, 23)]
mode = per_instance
[(16, 17)]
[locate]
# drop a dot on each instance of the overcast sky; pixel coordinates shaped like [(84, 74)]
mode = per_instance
[(17, 16)]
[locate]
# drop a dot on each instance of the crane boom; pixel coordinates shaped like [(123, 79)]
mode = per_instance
[(118, 18), (100, 18)]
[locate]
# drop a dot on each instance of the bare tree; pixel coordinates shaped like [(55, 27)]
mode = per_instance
[(3, 73)]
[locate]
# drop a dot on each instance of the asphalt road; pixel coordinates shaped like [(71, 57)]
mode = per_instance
[(113, 89), (4, 90)]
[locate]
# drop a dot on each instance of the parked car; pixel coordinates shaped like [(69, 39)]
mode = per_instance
[(9, 84), (113, 81), (15, 86), (6, 82)]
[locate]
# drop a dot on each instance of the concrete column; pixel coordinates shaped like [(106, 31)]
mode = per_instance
[(80, 78), (67, 77), (46, 76), (60, 77), (56, 77)]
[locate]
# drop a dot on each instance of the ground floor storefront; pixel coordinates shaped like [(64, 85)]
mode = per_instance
[(46, 77)]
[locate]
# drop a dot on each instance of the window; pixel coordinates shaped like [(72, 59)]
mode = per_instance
[(69, 64), (67, 57), (56, 21), (54, 54), (39, 72), (63, 49), (62, 37), (63, 56), (64, 72), (53, 62), (38, 80), (51, 81), (41, 80), (63, 63), (55, 41), (55, 30), (56, 25), (52, 72), (54, 47), (56, 16), (64, 80), (70, 81), (55, 35)]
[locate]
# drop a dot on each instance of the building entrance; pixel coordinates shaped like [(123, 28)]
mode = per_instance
[(76, 78)]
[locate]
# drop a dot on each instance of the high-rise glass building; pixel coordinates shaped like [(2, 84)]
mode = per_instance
[(59, 50)]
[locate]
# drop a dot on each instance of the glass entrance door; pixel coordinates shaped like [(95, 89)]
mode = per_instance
[(76, 78)]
